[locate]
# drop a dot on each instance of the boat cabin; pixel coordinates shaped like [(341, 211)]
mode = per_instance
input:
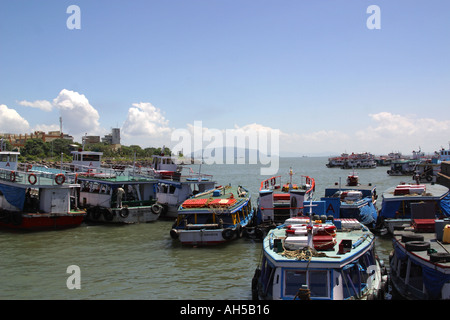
[(86, 160), (9, 160)]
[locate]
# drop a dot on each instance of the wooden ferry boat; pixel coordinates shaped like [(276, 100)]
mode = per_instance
[(278, 202), (420, 260), (36, 200), (352, 200), (306, 259), (122, 197), (396, 204), (213, 217)]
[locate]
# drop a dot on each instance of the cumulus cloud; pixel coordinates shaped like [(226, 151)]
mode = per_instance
[(44, 105), (146, 123), (407, 133), (11, 121), (79, 116)]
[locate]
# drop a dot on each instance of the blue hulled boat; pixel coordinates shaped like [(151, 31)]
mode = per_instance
[(352, 201), (309, 259), (396, 204)]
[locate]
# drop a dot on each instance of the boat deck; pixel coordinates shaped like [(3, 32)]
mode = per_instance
[(435, 246), (355, 238), (432, 192)]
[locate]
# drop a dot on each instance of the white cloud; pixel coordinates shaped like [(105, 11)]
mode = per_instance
[(394, 132), (79, 116), (146, 125), (11, 121), (44, 105)]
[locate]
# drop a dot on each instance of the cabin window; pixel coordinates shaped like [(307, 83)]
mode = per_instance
[(295, 280), (4, 158), (415, 276), (267, 272), (317, 281), (91, 157)]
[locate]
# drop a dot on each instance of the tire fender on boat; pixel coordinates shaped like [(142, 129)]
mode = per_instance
[(173, 234), (227, 234), (417, 246), (124, 212), (108, 215), (157, 209)]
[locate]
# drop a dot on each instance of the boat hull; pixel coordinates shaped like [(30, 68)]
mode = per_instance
[(125, 215), (36, 221), (419, 267), (205, 237)]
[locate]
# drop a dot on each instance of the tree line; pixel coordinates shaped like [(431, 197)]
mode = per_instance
[(37, 149)]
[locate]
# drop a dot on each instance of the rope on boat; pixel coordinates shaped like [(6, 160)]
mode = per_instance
[(307, 253), (303, 294)]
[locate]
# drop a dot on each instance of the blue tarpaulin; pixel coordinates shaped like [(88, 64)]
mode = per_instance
[(368, 213), (444, 204), (15, 196)]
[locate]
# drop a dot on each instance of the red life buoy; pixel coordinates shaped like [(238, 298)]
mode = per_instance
[(60, 178), (30, 180), (272, 181), (29, 167), (12, 176)]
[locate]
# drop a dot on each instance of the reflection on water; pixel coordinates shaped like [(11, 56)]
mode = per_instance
[(143, 262)]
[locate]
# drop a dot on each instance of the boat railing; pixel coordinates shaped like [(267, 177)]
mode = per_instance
[(273, 182), (38, 178)]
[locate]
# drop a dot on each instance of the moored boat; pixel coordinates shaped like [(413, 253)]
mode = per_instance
[(319, 260), (396, 204), (213, 217), (176, 184), (420, 260), (118, 198), (352, 200), (35, 200), (279, 201)]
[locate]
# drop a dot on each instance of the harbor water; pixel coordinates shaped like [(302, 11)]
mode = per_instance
[(143, 262)]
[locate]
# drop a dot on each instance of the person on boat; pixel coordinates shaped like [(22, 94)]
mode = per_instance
[(120, 193)]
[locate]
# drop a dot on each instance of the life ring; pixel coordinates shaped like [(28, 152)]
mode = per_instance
[(29, 166), (266, 184), (12, 176), (272, 181), (32, 178), (60, 178), (157, 209)]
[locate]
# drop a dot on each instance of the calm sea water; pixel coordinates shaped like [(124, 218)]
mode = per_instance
[(143, 262)]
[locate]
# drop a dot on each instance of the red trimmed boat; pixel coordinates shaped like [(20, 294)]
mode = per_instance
[(36, 200)]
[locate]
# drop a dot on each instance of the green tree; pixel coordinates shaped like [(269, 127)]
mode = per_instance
[(35, 149)]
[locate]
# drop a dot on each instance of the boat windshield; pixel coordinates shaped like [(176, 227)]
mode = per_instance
[(315, 280)]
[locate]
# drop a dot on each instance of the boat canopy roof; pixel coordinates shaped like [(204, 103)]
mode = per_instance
[(221, 200)]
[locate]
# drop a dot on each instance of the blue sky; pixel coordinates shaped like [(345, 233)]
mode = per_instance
[(311, 69)]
